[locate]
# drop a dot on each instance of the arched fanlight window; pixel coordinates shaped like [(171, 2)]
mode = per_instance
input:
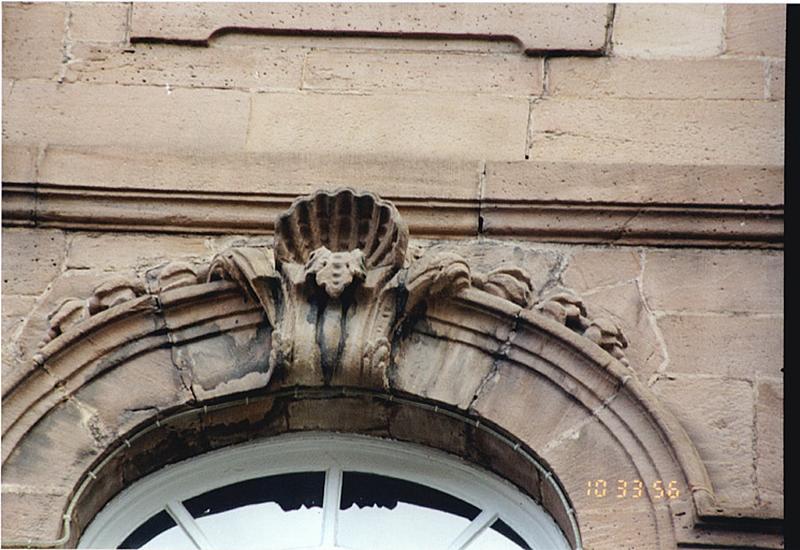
[(324, 491)]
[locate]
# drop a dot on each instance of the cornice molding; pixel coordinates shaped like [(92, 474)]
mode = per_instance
[(539, 218)]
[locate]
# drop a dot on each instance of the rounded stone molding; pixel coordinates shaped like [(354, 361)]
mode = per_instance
[(263, 327)]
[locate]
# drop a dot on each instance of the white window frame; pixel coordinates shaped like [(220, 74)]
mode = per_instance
[(332, 453)]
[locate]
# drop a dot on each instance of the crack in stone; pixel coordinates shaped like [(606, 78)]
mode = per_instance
[(652, 320), (499, 355)]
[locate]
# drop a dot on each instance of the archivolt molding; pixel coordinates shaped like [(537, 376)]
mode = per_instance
[(340, 300)]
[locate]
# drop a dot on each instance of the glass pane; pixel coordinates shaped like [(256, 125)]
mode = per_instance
[(268, 512), (498, 537), (394, 514), (160, 531)]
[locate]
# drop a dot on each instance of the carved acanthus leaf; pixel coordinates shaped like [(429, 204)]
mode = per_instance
[(433, 274), (567, 308), (253, 268), (510, 283)]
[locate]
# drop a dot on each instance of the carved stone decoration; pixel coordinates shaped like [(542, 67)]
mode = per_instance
[(113, 292), (71, 312), (567, 308), (336, 286), (510, 283)]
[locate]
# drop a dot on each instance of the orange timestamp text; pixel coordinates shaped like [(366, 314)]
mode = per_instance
[(635, 488)]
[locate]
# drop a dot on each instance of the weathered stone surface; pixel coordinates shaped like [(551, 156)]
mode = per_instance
[(625, 306), (183, 66), (32, 515), (346, 414), (427, 428), (458, 375), (614, 524), (153, 118), (121, 251), (69, 284), (19, 163), (668, 30), (769, 444), (537, 26), (717, 414), (512, 74), (98, 22), (777, 79), (66, 439), (634, 182), (591, 268), (33, 35), (755, 29), (15, 310), (658, 131), (609, 77), (31, 259), (153, 385), (546, 418), (718, 281), (737, 347), (414, 126)]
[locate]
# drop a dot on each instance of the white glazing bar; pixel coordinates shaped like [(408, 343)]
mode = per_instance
[(186, 522), (330, 505), (475, 528)]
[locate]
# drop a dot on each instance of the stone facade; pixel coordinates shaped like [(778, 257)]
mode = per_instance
[(566, 225)]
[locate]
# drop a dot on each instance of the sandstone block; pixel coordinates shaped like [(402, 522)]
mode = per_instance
[(591, 268), (33, 35), (537, 26), (184, 66), (288, 174), (717, 414), (19, 163), (512, 74), (740, 346), (769, 443), (756, 29), (610, 77), (658, 131), (777, 79), (718, 281), (417, 126), (31, 259), (98, 21), (32, 515), (153, 118), (635, 183), (668, 30), (112, 252)]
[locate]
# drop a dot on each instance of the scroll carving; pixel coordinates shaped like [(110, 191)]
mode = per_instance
[(337, 285)]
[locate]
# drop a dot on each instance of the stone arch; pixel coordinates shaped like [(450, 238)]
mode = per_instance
[(198, 360)]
